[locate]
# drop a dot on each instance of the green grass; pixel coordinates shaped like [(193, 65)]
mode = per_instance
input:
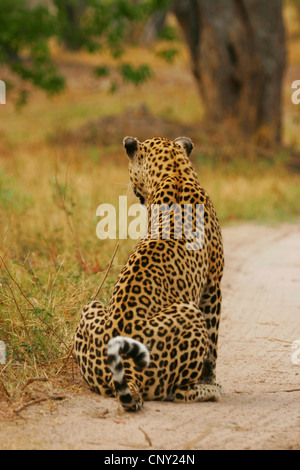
[(257, 190), (11, 199)]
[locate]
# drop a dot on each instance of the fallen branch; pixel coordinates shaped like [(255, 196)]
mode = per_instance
[(279, 340), (191, 444), (38, 400), (2, 387), (34, 379), (146, 437)]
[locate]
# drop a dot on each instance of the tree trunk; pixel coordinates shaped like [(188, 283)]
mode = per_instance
[(154, 26), (238, 57)]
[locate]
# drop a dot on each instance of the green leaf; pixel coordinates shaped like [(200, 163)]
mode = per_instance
[(168, 55), (137, 75), (102, 71), (168, 33)]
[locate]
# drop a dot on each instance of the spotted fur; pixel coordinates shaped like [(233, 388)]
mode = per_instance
[(167, 298)]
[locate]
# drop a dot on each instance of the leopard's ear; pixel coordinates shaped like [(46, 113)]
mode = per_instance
[(186, 143), (131, 146)]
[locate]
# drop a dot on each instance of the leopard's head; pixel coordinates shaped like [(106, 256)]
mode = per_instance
[(153, 160)]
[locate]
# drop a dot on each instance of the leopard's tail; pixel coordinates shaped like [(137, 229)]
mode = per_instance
[(128, 347)]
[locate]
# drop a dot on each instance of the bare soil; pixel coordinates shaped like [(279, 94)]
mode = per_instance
[(257, 366)]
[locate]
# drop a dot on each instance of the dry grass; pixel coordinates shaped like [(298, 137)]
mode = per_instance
[(51, 260)]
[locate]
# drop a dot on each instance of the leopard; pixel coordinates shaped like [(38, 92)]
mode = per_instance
[(157, 337)]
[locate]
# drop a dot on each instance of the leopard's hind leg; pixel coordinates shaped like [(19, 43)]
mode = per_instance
[(90, 342), (198, 392)]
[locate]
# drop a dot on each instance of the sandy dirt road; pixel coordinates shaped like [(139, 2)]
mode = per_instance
[(258, 366)]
